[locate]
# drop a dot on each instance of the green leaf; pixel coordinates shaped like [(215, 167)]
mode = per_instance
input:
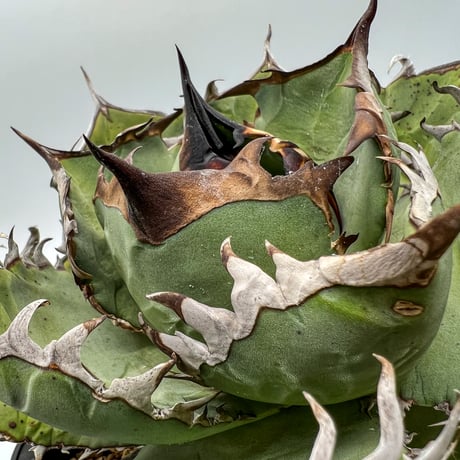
[(436, 376), (314, 107), (110, 352), (19, 427), (291, 434)]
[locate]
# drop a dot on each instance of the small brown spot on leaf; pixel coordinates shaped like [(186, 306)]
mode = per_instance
[(407, 308)]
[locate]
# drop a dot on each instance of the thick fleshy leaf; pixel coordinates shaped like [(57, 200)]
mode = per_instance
[(292, 432), (103, 387), (436, 376), (312, 299), (123, 130), (318, 107), (19, 427), (308, 315)]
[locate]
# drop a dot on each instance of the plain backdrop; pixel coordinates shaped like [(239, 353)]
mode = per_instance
[(127, 47)]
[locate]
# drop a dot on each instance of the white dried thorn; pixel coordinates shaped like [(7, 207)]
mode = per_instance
[(252, 291), (442, 445), (409, 262), (65, 352), (391, 417), (191, 352), (226, 250), (62, 354), (27, 254), (137, 390), (15, 341), (424, 186), (297, 280), (185, 411), (407, 66), (323, 449), (218, 326)]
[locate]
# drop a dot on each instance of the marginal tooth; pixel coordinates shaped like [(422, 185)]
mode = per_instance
[(252, 290), (435, 237), (442, 445), (226, 251), (13, 251), (439, 131), (409, 262), (191, 352), (324, 446), (368, 121), (137, 391), (269, 63), (452, 90), (424, 186), (171, 300), (399, 115), (248, 160), (27, 255), (391, 264), (407, 66), (297, 280), (64, 353), (185, 411), (391, 418), (218, 326), (102, 105), (16, 340), (40, 260)]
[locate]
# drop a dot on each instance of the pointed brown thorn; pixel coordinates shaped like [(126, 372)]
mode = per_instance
[(358, 42), (368, 121), (293, 157), (269, 63), (50, 155), (121, 168), (326, 175), (171, 300), (101, 104)]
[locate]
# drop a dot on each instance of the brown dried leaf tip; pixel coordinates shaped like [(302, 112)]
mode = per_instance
[(158, 205)]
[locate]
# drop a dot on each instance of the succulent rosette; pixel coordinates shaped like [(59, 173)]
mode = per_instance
[(228, 263)]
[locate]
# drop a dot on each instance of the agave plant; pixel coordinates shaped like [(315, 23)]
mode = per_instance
[(231, 268)]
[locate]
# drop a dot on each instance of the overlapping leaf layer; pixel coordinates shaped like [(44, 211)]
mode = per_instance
[(224, 258)]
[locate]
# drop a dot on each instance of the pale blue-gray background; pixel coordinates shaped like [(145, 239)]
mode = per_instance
[(127, 47)]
